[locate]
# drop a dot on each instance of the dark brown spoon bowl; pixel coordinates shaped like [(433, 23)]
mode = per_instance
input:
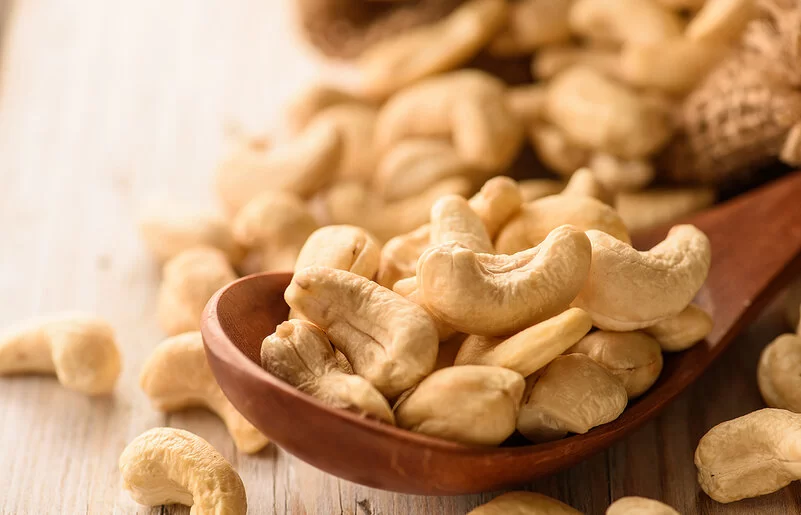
[(756, 240)]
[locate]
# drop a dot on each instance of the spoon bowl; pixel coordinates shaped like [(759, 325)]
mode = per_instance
[(756, 242)]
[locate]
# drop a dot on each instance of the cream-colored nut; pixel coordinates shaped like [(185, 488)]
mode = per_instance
[(355, 124), (400, 254), (598, 113), (572, 395), (470, 404), (452, 219), (302, 166), (168, 230), (79, 349), (556, 150), (530, 349), (683, 5), (527, 102), (390, 341), (344, 247), (177, 376), (629, 290), (752, 455), (524, 503), (173, 466), (792, 305), (533, 189), (299, 353), (583, 183), (404, 59), (674, 66), (532, 24), (621, 175), (277, 224), (779, 373), (721, 21), (622, 21), (309, 102), (538, 218), (190, 279), (408, 289), (639, 506), (469, 106), (552, 60), (643, 209), (682, 331), (411, 166), (497, 201), (493, 295), (634, 358)]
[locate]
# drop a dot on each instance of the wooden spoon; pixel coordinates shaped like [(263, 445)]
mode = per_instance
[(756, 241)]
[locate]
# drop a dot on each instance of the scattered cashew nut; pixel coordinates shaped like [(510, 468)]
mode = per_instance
[(639, 506), (524, 503), (779, 373)]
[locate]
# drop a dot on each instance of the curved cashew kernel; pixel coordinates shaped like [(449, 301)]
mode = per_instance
[(499, 295), (173, 466), (397, 62), (355, 124), (497, 201), (778, 373), (527, 102), (682, 331), (622, 21), (277, 224), (752, 455), (629, 290), (411, 166), (530, 349), (302, 166), (79, 349), (532, 24), (190, 280), (721, 21), (522, 503), (300, 354), (634, 358), (538, 218), (621, 175), (600, 114), (344, 247), (556, 151), (390, 341), (400, 254), (639, 506), (469, 106), (552, 60), (534, 189), (643, 209), (452, 219), (309, 102), (584, 184), (572, 395), (470, 404), (177, 376)]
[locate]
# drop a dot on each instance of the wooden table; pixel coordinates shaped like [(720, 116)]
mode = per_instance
[(105, 103)]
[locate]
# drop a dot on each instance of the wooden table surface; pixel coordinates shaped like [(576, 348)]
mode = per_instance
[(104, 103)]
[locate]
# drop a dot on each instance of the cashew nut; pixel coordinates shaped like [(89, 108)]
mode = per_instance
[(532, 24), (572, 395), (390, 341), (623, 21), (408, 289), (639, 506), (552, 60), (497, 201), (190, 280), (527, 102), (530, 349), (683, 5), (674, 66), (173, 466), (682, 331), (583, 183), (556, 150), (400, 254), (628, 290), (80, 350), (721, 21), (355, 124), (309, 102), (779, 373), (533, 189), (634, 358), (470, 404), (452, 219), (177, 376), (752, 455), (643, 209), (300, 354), (524, 503), (344, 247), (493, 295), (621, 175)]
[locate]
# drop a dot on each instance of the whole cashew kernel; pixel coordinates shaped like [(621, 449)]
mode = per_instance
[(300, 354), (309, 102), (639, 506), (572, 395), (584, 184), (779, 373), (177, 376), (682, 331), (530, 349), (556, 151), (721, 21), (173, 466), (355, 124), (621, 175), (532, 24), (493, 295), (552, 60), (400, 254), (470, 404), (524, 503), (527, 102), (623, 21), (79, 349), (634, 358), (643, 209), (344, 247), (390, 341), (752, 455), (629, 290), (190, 280), (497, 201), (452, 219)]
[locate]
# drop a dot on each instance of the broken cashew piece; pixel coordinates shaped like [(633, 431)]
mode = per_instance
[(778, 373), (682, 331), (524, 503), (532, 24), (299, 353), (177, 376), (79, 349), (622, 21), (173, 466), (471, 404), (639, 506), (629, 290), (452, 219)]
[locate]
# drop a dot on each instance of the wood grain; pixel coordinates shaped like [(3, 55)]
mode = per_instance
[(104, 103)]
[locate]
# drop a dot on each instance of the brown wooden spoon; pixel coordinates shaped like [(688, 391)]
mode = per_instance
[(756, 242)]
